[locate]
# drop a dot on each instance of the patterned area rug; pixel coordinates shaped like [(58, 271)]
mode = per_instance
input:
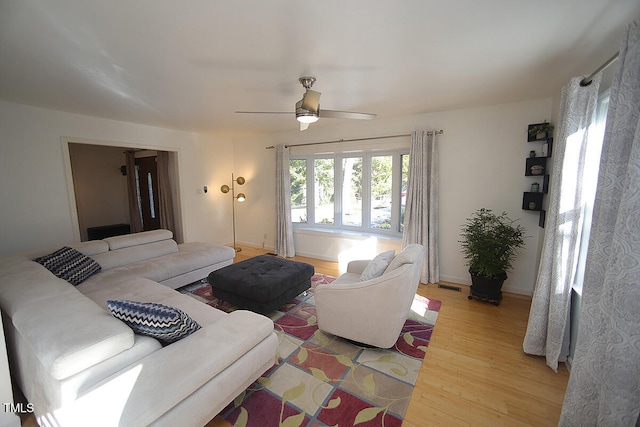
[(323, 380)]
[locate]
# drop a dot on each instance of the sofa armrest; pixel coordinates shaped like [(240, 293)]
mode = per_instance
[(178, 370)]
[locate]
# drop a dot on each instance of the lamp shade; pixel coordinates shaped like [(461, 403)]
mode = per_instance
[(241, 197)]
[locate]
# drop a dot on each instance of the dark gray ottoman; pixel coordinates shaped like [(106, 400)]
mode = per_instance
[(261, 284)]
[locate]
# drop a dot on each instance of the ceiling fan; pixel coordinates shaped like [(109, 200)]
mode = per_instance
[(308, 108)]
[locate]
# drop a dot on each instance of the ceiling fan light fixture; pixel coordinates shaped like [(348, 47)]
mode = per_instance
[(306, 117)]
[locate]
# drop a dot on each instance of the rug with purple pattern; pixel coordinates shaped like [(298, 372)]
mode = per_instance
[(323, 380)]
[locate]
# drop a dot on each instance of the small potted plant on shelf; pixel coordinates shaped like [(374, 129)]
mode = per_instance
[(540, 131), (489, 245)]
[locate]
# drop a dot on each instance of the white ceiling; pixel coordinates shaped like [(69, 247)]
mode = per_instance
[(189, 65)]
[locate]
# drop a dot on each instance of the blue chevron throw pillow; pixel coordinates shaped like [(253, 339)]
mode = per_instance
[(164, 323), (70, 265)]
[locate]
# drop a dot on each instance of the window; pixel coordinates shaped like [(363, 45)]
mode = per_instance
[(352, 191), (324, 182), (590, 182), (405, 185), (364, 191), (298, 178)]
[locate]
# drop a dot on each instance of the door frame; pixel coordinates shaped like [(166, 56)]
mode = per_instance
[(175, 153)]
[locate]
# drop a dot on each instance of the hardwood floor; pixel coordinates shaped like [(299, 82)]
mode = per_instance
[(475, 372)]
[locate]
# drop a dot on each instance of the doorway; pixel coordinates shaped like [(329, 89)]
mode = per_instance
[(98, 189)]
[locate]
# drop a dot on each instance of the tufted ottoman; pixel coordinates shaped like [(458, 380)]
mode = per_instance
[(261, 284)]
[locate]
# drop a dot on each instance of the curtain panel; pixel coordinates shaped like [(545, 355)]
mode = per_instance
[(165, 201), (284, 228), (604, 386), (421, 211), (547, 332), (135, 216)]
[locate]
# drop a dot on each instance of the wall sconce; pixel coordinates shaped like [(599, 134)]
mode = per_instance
[(240, 198)]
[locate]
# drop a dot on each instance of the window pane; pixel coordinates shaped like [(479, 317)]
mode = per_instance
[(298, 178), (403, 190), (381, 184), (352, 191), (323, 198), (151, 201)]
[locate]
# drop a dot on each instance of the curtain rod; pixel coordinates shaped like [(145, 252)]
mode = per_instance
[(433, 132), (587, 80)]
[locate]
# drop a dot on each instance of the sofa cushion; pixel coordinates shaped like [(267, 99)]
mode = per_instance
[(70, 265), (67, 332), (141, 289), (91, 247), (166, 324), (377, 265), (136, 239), (130, 255)]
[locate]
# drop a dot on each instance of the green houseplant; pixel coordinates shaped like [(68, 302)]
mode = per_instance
[(540, 131), (489, 245)]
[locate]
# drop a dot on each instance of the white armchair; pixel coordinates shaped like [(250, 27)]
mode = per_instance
[(372, 311)]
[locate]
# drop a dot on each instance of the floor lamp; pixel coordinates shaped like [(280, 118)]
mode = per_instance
[(240, 198)]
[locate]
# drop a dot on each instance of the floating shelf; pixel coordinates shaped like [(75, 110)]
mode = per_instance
[(536, 167), (532, 201)]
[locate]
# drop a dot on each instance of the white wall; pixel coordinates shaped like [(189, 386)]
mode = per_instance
[(34, 183), (100, 188), (482, 155), (482, 163)]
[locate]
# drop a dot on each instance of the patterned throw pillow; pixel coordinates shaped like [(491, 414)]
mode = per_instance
[(70, 265), (164, 323)]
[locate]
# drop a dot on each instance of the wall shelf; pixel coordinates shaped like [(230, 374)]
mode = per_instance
[(533, 162), (532, 201), (536, 167)]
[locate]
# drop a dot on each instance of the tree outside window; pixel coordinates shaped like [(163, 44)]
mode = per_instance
[(298, 179)]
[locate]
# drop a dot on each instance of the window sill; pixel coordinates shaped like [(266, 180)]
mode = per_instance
[(345, 234)]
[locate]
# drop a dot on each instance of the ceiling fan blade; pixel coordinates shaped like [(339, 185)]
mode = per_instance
[(311, 100), (333, 114), (304, 126), (263, 112)]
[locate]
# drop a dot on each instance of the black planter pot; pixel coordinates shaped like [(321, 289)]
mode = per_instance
[(487, 288)]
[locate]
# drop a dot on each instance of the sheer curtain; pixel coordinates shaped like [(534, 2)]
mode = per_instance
[(421, 212), (284, 228), (604, 386), (547, 332)]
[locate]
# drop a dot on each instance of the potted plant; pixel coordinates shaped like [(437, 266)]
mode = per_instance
[(540, 131), (489, 245)]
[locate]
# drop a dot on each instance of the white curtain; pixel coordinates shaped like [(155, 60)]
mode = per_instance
[(604, 386), (421, 212), (547, 332), (284, 228)]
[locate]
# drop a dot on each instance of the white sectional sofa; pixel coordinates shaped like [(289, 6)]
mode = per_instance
[(78, 365)]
